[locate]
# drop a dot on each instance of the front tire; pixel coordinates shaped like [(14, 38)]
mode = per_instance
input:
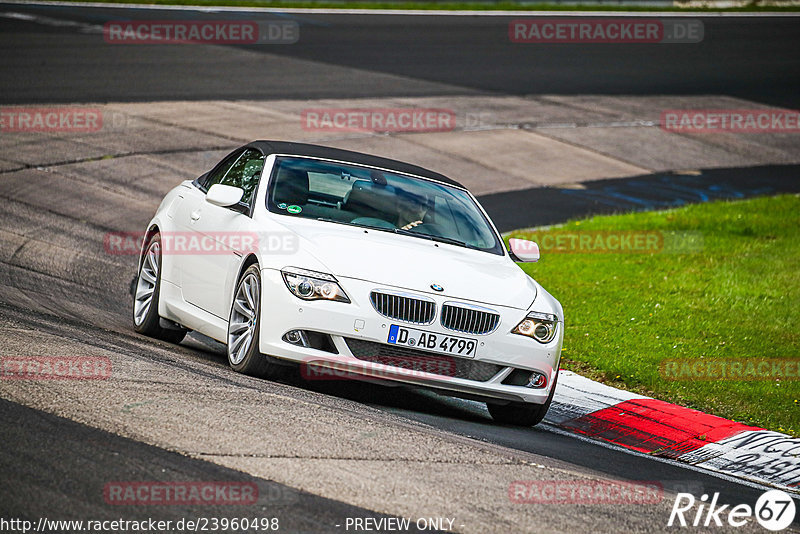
[(244, 326), (521, 413), (147, 291)]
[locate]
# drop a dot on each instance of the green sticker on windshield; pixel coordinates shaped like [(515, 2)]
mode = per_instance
[(294, 209), (282, 206)]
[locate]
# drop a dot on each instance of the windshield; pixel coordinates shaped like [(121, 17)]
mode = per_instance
[(372, 198)]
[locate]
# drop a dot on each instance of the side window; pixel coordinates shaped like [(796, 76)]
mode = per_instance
[(245, 173), (219, 172)]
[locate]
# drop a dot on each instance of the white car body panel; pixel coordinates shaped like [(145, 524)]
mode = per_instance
[(199, 272), (197, 290), (413, 263)]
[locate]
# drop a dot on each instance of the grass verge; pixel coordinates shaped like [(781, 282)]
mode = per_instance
[(732, 294)]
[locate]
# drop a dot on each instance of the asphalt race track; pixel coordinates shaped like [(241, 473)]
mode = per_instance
[(371, 56), (319, 452)]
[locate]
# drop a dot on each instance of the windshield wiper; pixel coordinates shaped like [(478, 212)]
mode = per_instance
[(326, 219), (452, 241), (412, 234), (440, 239)]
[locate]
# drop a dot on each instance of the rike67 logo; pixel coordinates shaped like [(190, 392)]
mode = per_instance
[(774, 510)]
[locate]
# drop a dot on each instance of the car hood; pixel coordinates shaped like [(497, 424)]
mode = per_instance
[(390, 260)]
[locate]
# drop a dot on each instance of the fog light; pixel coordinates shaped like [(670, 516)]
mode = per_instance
[(293, 336), (296, 337), (536, 381)]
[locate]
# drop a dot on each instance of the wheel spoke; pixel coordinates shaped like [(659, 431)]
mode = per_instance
[(152, 259), (144, 293), (237, 341), (238, 327), (141, 309), (148, 276), (242, 346), (241, 307), (248, 294), (255, 297)]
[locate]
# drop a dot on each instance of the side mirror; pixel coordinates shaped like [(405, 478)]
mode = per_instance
[(523, 250), (224, 195)]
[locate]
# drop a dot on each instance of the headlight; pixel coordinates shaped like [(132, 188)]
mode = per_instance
[(539, 326), (313, 285)]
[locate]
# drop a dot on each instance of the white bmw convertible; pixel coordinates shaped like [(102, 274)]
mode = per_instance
[(335, 260)]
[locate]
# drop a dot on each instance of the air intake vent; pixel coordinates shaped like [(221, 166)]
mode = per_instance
[(416, 360), (471, 320), (402, 307)]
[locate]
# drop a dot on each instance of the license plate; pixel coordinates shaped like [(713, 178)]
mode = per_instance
[(419, 339)]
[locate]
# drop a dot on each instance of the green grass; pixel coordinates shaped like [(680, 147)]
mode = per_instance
[(737, 297), (502, 5)]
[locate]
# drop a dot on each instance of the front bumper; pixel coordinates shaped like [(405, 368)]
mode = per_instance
[(356, 325)]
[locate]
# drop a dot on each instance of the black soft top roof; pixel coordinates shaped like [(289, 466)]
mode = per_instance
[(324, 152)]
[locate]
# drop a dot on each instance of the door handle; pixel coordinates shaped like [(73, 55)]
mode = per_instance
[(195, 216)]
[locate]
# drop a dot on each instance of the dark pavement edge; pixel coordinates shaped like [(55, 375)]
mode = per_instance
[(65, 481), (541, 206)]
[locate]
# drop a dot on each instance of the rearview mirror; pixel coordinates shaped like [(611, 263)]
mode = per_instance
[(224, 195), (524, 250)]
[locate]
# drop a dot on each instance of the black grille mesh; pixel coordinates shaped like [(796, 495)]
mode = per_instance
[(407, 309), (468, 320), (418, 360)]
